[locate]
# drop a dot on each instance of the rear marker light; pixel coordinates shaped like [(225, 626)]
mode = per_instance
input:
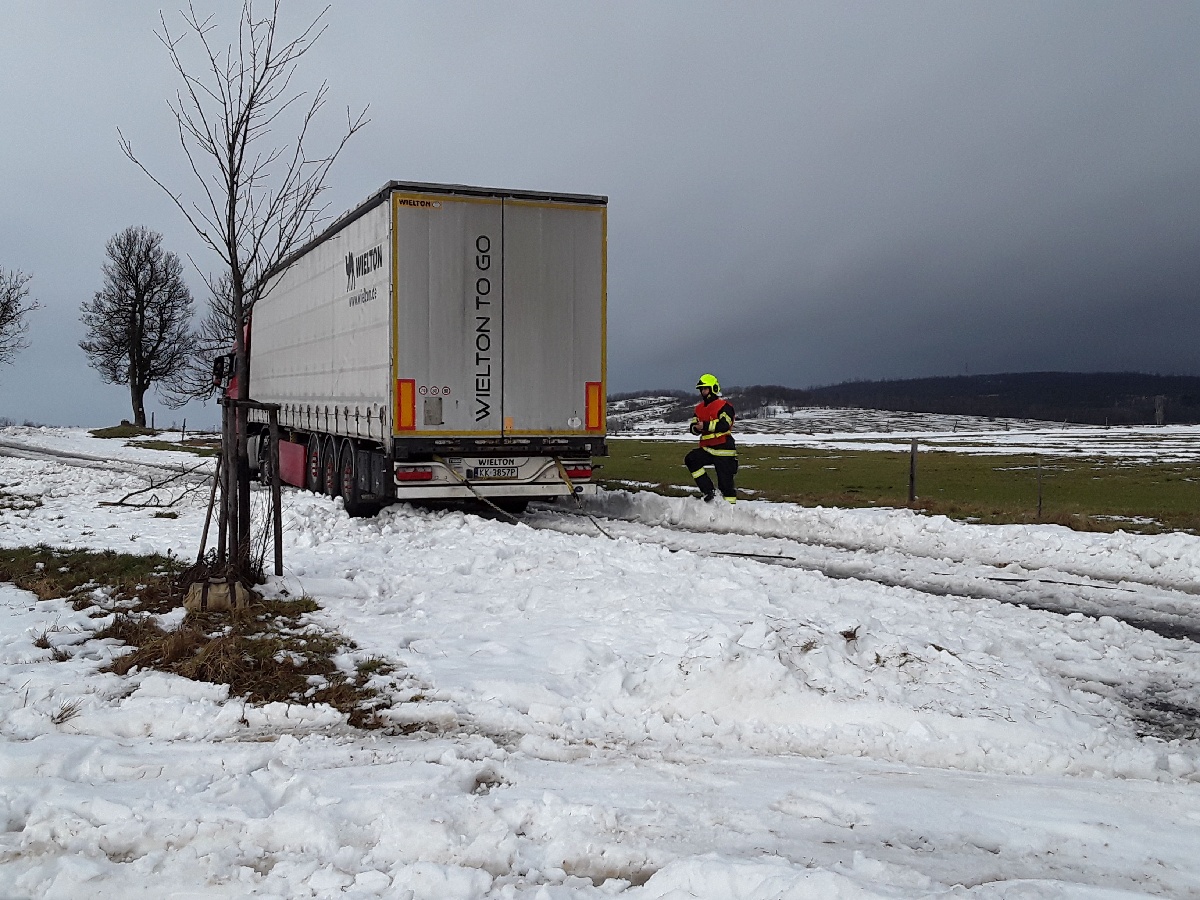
[(414, 473), (578, 472)]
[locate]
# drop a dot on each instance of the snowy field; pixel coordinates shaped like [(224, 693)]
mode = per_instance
[(868, 429), (768, 702)]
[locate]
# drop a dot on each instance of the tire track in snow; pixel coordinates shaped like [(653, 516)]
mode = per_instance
[(1172, 612), (1165, 711), (82, 460)]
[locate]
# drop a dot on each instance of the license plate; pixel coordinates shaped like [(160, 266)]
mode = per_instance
[(485, 472)]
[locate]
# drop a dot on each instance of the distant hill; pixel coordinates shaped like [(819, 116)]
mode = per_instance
[(1096, 398)]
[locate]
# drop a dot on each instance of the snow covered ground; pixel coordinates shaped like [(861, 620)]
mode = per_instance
[(755, 703)]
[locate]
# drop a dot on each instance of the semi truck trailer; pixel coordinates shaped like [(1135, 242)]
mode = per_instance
[(438, 342)]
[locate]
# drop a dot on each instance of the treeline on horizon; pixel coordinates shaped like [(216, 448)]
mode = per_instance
[(1088, 398)]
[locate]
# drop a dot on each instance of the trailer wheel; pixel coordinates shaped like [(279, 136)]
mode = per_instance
[(348, 475), (314, 473), (329, 466)]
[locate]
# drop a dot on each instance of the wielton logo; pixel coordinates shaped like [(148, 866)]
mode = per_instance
[(362, 264)]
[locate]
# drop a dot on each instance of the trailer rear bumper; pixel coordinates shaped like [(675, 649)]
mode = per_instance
[(491, 491), (493, 477)]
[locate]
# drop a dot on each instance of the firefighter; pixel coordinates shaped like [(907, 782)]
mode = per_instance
[(713, 423)]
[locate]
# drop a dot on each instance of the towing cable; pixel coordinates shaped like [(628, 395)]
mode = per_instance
[(579, 502), (470, 487), (562, 472)]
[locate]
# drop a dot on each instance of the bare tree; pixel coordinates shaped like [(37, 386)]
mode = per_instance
[(139, 323), (15, 305), (215, 336), (260, 194)]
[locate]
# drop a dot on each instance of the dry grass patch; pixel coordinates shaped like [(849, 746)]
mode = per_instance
[(18, 502), (88, 578), (199, 448), (266, 653), (67, 710), (124, 430), (1079, 492), (271, 651), (148, 438)]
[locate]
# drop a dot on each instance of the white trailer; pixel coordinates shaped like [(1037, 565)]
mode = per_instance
[(439, 342)]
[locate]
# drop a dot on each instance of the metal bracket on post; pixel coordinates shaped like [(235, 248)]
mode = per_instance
[(272, 411), (212, 497)]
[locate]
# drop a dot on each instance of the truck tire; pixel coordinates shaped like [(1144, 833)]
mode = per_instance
[(329, 466), (348, 478), (314, 471)]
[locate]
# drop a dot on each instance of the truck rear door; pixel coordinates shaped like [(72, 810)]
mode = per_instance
[(499, 316), (449, 336), (553, 318)]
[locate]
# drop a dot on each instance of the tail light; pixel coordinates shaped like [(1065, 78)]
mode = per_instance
[(578, 471), (414, 473)]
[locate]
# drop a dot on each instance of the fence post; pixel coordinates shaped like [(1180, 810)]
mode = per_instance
[(1039, 470), (912, 473), (276, 500), (223, 514)]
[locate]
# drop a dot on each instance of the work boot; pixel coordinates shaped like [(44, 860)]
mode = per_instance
[(708, 498)]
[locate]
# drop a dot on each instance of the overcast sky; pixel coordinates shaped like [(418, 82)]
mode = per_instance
[(800, 193)]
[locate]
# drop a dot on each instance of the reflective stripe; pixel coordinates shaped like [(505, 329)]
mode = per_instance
[(717, 430), (721, 426), (698, 473), (731, 499), (716, 452)]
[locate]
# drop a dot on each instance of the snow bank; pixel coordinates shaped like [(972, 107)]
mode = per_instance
[(574, 717)]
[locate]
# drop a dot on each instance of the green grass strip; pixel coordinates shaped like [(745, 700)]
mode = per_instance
[(1085, 493)]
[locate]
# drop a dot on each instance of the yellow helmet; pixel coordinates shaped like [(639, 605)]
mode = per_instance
[(710, 382)]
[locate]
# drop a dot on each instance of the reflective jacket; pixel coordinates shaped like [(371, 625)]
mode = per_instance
[(715, 420)]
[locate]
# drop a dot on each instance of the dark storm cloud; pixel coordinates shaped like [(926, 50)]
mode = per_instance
[(800, 193), (1028, 203), (1106, 286)]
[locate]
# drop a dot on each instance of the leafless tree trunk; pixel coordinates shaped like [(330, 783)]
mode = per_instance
[(15, 305), (139, 323), (260, 193)]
